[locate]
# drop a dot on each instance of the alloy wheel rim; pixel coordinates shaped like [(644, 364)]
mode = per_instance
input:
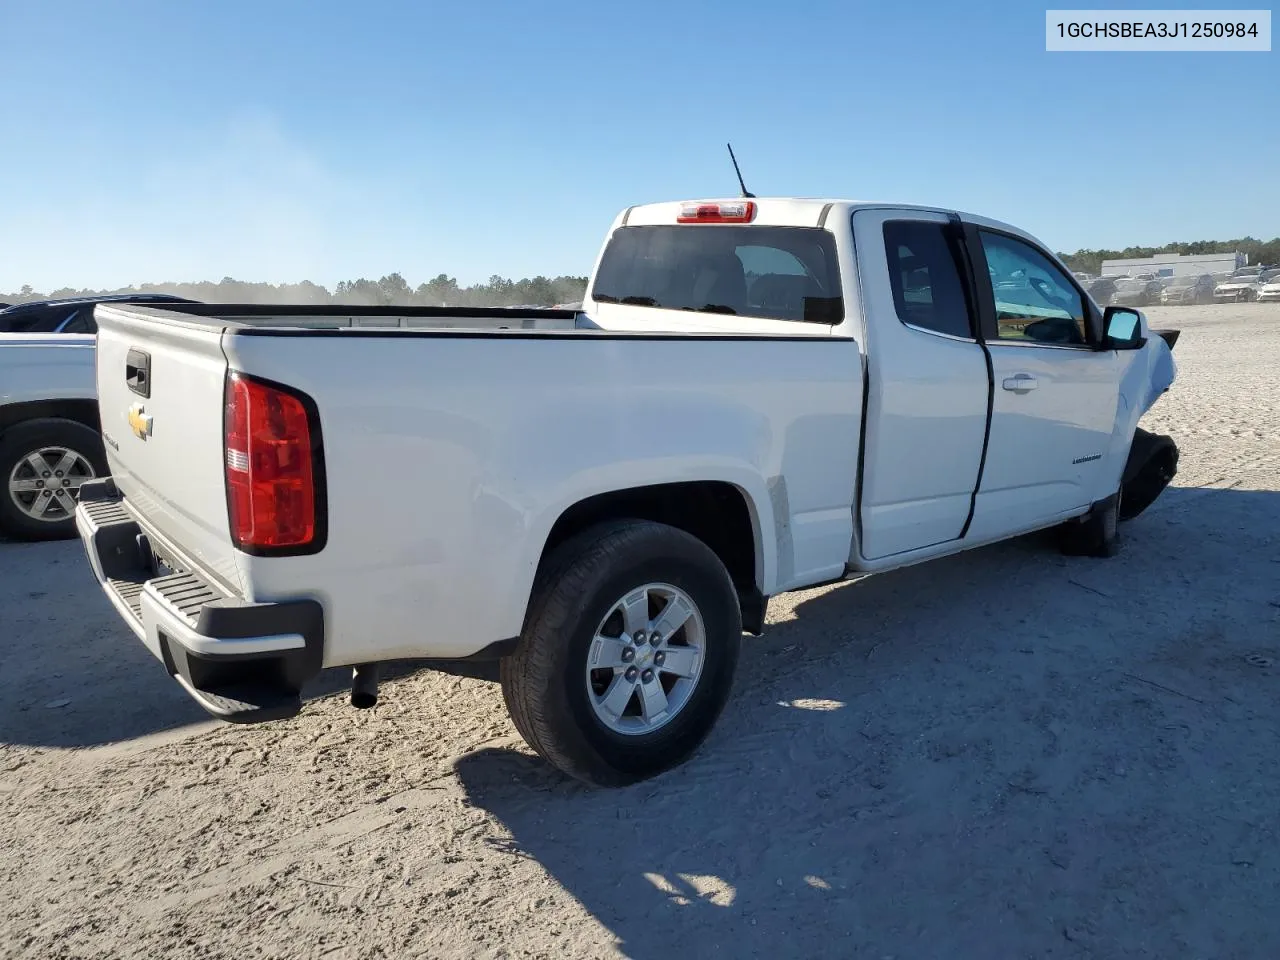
[(645, 659), (45, 484)]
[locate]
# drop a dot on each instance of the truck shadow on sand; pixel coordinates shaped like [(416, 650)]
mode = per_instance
[(71, 675), (965, 758)]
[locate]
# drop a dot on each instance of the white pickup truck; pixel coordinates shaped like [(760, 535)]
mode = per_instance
[(49, 440), (757, 396)]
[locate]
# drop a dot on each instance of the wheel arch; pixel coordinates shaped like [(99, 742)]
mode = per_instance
[(82, 411), (737, 526)]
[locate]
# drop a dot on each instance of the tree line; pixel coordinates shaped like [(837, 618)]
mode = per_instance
[(443, 291), (1258, 251)]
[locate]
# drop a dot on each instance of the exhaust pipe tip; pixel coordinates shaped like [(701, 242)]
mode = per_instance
[(364, 686)]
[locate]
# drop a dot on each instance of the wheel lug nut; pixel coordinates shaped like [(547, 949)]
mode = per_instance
[(656, 639), (647, 676), (628, 654), (631, 674), (639, 638), (46, 474), (659, 658), (39, 483), (57, 473)]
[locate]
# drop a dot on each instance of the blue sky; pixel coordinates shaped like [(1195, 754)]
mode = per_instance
[(152, 140)]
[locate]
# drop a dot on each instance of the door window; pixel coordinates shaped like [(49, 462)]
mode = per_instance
[(927, 290), (1035, 300), (80, 322)]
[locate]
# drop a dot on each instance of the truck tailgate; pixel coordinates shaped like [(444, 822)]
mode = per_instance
[(160, 388)]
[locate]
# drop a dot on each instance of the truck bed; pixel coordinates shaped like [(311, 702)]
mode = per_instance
[(449, 442)]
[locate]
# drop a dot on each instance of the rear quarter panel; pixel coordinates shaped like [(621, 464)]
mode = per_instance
[(449, 459)]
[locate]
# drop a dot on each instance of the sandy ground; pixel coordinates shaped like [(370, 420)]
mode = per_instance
[(1005, 754)]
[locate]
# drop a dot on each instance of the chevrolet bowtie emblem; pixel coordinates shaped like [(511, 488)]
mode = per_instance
[(140, 421)]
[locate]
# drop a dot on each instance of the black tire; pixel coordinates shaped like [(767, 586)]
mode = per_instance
[(29, 437), (1096, 534), (544, 681)]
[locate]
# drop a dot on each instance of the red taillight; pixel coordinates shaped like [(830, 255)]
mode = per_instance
[(738, 211), (271, 482)]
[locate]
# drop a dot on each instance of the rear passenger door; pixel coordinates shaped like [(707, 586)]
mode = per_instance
[(927, 383), (1055, 398)]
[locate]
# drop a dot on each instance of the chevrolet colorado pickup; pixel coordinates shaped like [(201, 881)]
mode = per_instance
[(757, 396)]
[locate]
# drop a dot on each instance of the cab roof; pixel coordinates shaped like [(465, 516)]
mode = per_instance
[(791, 212)]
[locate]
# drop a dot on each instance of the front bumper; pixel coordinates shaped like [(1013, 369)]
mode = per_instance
[(242, 661), (1152, 464)]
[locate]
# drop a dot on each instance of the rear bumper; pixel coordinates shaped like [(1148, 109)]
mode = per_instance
[(243, 662)]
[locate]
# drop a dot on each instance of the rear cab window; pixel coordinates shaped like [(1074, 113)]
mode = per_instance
[(779, 273)]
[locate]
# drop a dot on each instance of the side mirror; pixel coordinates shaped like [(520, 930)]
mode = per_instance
[(1123, 329)]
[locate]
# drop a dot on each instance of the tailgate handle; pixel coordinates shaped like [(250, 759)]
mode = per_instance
[(137, 372)]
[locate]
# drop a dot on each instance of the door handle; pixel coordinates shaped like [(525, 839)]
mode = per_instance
[(1020, 383)]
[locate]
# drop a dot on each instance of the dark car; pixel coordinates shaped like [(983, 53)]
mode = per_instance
[(73, 315), (1102, 290), (1137, 293), (1189, 290)]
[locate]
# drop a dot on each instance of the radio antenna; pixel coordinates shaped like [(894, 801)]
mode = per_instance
[(738, 172)]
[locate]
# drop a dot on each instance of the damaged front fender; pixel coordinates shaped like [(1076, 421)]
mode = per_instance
[(1153, 458)]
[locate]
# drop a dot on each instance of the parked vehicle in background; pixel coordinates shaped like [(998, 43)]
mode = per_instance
[(1136, 292), (49, 439), (605, 501), (1270, 289), (72, 315), (1102, 291), (1188, 290), (1236, 289)]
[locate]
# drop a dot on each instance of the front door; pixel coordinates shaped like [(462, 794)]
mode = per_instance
[(1055, 397)]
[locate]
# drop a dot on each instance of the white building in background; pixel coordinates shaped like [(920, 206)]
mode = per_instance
[(1176, 264)]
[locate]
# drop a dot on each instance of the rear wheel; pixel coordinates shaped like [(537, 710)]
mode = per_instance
[(43, 464), (628, 653)]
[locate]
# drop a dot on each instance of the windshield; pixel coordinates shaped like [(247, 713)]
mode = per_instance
[(786, 273), (1131, 285), (1183, 281)]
